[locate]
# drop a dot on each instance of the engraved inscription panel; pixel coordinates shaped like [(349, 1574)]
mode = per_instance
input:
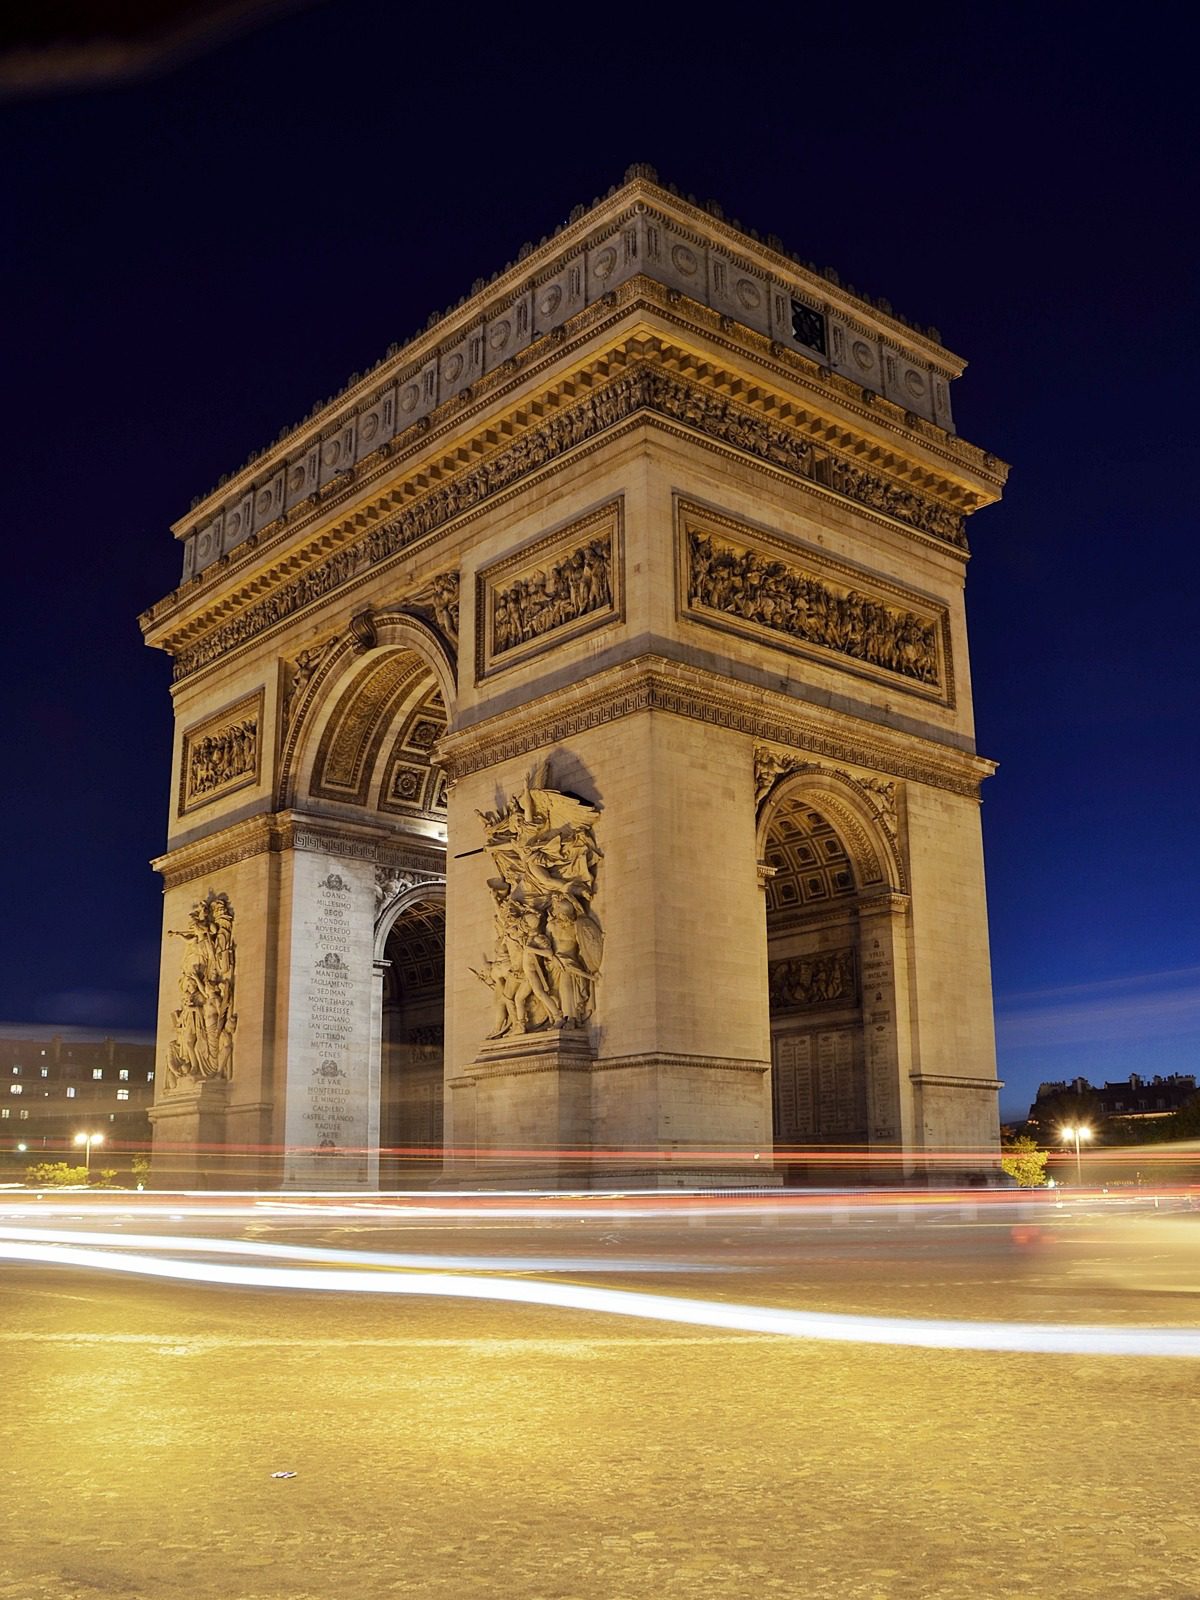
[(752, 583), (553, 590), (819, 1086)]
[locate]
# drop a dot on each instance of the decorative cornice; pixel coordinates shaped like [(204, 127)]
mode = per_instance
[(452, 348), (279, 831), (774, 433), (653, 683), (659, 1058), (945, 1080)]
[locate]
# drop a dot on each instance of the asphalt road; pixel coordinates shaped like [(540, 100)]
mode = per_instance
[(454, 1449)]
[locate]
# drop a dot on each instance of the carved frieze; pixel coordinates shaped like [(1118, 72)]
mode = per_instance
[(770, 589), (204, 1023), (805, 983), (221, 754), (563, 585), (641, 387), (546, 960)]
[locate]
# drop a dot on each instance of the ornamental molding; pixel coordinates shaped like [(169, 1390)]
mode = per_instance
[(901, 492), (879, 796), (653, 683), (451, 355), (943, 1080), (280, 831), (675, 1059)]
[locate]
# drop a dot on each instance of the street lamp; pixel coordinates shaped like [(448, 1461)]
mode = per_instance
[(87, 1140), (1077, 1131)]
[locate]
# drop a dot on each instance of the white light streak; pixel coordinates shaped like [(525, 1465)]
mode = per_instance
[(1022, 1337)]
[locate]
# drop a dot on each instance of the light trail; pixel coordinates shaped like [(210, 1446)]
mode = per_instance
[(1015, 1337), (376, 1258)]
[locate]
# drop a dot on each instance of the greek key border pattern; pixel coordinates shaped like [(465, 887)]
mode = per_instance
[(652, 691)]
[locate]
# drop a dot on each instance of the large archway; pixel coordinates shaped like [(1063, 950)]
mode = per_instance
[(825, 864), (364, 720)]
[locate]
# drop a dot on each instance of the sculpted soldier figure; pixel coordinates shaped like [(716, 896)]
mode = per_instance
[(549, 946)]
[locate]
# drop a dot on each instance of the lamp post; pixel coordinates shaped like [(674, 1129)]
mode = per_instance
[(1077, 1131), (87, 1140)]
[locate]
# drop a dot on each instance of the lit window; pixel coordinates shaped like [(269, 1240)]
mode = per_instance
[(45, 1072), (23, 1114), (16, 1072), (70, 1094), (123, 1074), (150, 1077), (17, 1088), (5, 1113), (97, 1072), (122, 1094)]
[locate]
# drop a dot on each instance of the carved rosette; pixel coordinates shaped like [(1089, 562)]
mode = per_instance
[(201, 1046), (549, 947)]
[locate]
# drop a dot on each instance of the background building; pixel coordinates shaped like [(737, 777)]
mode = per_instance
[(57, 1082)]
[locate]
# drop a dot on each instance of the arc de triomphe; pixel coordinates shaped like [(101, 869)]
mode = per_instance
[(574, 770)]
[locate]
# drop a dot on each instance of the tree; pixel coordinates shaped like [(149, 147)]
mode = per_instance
[(1022, 1160), (55, 1175)]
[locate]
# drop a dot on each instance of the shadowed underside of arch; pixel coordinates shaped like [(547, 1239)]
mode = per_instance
[(376, 746)]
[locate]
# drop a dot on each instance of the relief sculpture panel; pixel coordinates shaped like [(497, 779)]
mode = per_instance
[(800, 983), (546, 960), (749, 582), (563, 585), (204, 1023), (221, 754)]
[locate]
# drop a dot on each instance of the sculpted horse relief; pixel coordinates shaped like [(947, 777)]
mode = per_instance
[(548, 950)]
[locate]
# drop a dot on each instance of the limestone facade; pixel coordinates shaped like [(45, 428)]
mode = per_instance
[(665, 515)]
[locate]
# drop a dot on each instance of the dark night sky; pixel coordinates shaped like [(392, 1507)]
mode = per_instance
[(194, 258)]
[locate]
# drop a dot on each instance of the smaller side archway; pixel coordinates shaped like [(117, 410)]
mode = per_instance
[(834, 901)]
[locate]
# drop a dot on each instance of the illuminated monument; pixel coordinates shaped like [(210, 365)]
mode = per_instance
[(574, 742)]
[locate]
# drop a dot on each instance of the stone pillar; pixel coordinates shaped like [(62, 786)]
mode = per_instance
[(189, 1127), (883, 943), (331, 1087)]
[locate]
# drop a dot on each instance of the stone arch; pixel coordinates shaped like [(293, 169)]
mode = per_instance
[(377, 656), (428, 891), (830, 860), (854, 813)]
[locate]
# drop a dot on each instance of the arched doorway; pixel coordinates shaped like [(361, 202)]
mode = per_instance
[(366, 1014), (413, 1042), (818, 1071), (828, 869)]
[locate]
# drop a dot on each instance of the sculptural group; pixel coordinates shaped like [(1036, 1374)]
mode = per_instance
[(548, 949), (565, 591), (219, 758), (205, 1021), (743, 583)]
